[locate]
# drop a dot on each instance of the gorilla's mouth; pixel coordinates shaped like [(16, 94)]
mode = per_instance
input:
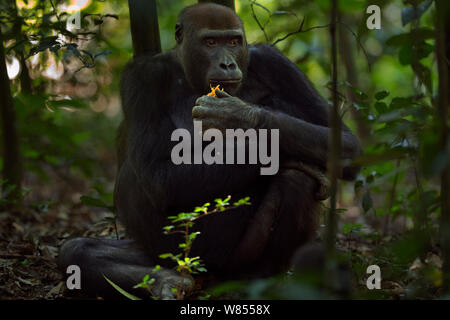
[(229, 85), (214, 83)]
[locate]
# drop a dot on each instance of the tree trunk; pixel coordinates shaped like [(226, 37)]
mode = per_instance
[(25, 80), (24, 77), (333, 165), (443, 101), (226, 3), (144, 27), (12, 164), (347, 57)]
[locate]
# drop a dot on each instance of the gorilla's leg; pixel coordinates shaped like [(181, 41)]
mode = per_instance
[(296, 220), (285, 220), (122, 262)]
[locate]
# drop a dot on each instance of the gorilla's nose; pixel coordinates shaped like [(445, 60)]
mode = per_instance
[(228, 66)]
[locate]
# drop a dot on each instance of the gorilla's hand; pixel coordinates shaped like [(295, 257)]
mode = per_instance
[(225, 112)]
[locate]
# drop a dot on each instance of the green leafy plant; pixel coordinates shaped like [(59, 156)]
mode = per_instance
[(184, 263), (8, 189), (183, 224)]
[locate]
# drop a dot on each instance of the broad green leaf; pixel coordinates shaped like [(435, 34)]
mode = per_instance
[(381, 94), (381, 107), (405, 55), (415, 36), (166, 255), (410, 54)]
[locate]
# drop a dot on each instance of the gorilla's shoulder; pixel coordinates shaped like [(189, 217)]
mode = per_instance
[(268, 56), (146, 68), (280, 74), (271, 67), (261, 49)]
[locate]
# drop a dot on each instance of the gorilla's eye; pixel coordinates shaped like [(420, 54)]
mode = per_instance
[(211, 42), (234, 42)]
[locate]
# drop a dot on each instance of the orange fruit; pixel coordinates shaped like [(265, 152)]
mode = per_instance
[(213, 91)]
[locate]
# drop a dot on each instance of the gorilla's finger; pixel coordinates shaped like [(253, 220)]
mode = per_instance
[(222, 94), (201, 112), (209, 124), (204, 100)]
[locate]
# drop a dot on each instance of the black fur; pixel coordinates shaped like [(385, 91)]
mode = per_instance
[(157, 99)]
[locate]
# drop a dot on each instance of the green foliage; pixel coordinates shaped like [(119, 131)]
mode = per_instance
[(55, 129), (148, 282), (61, 134), (183, 223), (8, 189), (351, 228), (49, 31)]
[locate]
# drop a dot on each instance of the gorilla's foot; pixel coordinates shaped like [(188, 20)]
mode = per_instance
[(167, 281), (122, 262)]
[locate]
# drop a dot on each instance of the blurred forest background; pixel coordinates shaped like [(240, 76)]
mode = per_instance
[(60, 110)]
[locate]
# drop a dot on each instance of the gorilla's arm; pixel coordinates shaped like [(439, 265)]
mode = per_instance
[(298, 111), (306, 141), (147, 97), (301, 113)]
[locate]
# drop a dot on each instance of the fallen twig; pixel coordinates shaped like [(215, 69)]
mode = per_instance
[(21, 256)]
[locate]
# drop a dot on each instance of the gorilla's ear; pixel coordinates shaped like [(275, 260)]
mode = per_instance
[(178, 33)]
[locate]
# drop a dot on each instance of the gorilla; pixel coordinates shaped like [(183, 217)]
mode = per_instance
[(261, 89)]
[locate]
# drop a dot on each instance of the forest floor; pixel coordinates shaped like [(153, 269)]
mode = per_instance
[(30, 239), (29, 244)]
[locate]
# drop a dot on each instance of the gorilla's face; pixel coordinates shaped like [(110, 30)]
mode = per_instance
[(212, 57)]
